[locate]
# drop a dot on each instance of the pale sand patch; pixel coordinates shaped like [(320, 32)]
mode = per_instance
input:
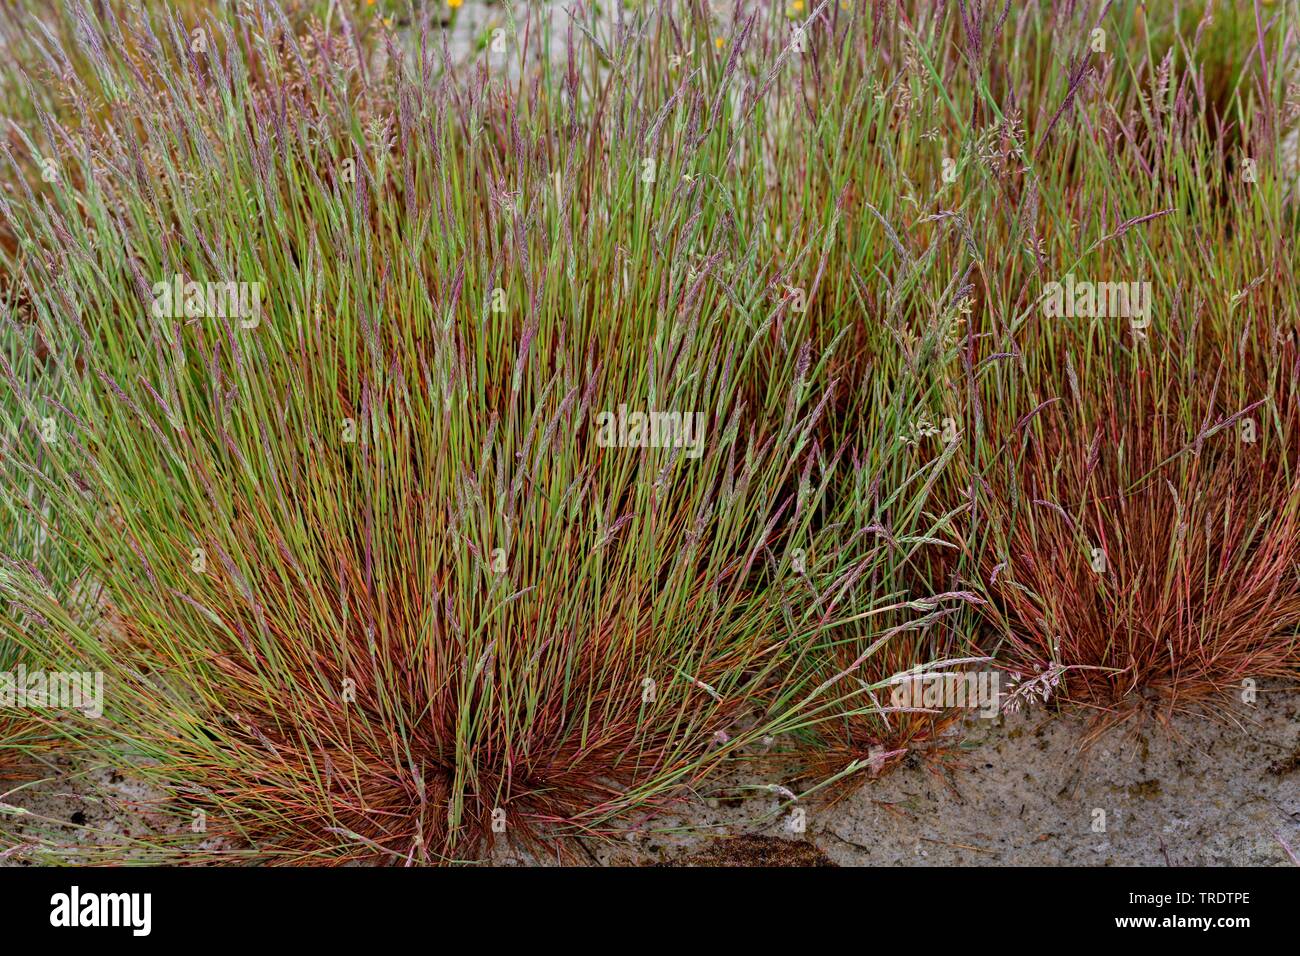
[(1022, 791)]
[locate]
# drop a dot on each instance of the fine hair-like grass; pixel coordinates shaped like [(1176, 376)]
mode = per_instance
[(366, 584), (366, 577)]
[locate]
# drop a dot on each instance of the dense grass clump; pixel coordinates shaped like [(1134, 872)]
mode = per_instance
[(369, 582), (1137, 473), (325, 348)]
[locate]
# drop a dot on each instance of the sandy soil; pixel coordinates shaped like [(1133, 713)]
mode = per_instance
[(1026, 791), (1021, 790)]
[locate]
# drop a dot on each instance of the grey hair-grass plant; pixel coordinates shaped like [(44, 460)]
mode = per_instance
[(437, 448), (333, 361)]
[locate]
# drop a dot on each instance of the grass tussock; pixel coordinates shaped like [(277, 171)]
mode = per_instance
[(324, 350), (365, 580)]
